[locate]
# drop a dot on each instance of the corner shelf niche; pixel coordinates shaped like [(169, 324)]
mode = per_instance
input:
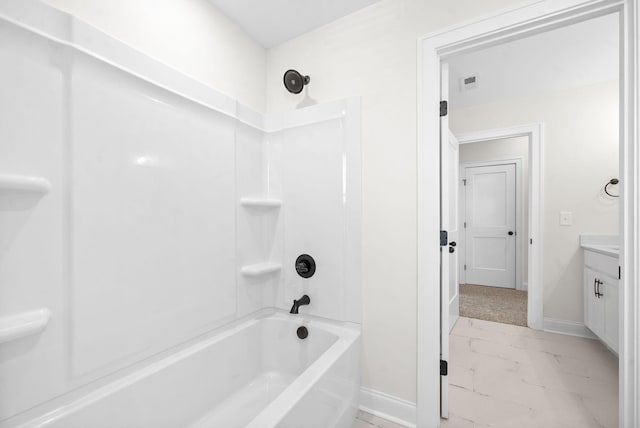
[(21, 184), (17, 326), (259, 269), (260, 202)]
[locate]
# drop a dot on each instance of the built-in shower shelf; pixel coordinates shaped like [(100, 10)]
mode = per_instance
[(22, 183), (261, 269), (16, 326), (260, 202)]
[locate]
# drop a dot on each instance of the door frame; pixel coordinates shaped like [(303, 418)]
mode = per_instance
[(519, 220), (503, 26)]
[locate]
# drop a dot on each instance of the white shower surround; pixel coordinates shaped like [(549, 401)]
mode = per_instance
[(100, 122)]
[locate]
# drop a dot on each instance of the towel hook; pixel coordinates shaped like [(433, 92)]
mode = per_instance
[(612, 181)]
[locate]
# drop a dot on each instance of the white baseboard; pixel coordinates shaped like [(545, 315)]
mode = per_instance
[(570, 328), (388, 407)]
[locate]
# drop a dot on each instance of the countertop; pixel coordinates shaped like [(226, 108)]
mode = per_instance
[(609, 245), (607, 250)]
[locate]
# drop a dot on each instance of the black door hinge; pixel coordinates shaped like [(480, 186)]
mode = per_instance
[(444, 238), (444, 108), (619, 272), (444, 368)]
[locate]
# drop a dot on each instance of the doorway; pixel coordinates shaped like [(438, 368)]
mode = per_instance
[(518, 22), (523, 146), (582, 154), (494, 200)]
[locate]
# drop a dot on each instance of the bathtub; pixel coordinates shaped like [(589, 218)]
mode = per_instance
[(254, 373)]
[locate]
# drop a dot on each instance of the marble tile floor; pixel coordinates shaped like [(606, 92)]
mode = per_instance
[(503, 375), (506, 376)]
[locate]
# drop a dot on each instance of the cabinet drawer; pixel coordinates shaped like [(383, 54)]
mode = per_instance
[(599, 262)]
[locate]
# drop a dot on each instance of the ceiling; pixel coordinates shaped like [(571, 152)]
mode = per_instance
[(271, 22), (578, 55)]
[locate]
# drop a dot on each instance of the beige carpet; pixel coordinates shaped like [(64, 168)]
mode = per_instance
[(504, 305)]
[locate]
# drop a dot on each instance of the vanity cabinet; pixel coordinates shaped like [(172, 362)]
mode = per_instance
[(601, 296)]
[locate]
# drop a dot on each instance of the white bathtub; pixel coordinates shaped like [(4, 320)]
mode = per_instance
[(256, 373)]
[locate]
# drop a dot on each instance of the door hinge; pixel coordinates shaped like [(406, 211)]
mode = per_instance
[(619, 272), (444, 238), (444, 368), (531, 241), (464, 225), (465, 267), (464, 181), (444, 108)]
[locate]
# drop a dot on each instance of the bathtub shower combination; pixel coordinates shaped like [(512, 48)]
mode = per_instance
[(154, 236)]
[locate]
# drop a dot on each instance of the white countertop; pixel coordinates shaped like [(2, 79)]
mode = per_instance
[(607, 250), (608, 245)]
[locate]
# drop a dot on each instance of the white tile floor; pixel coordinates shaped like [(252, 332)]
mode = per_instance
[(505, 376)]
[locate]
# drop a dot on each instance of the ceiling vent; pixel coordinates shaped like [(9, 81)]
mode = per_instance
[(469, 82)]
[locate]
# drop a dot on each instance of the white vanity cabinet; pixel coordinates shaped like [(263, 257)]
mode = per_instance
[(601, 294)]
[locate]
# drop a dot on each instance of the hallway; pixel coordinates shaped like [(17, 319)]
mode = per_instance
[(503, 305)]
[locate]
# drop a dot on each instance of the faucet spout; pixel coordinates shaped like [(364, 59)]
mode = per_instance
[(304, 300)]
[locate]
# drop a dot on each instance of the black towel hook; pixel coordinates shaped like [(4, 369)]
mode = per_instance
[(612, 181)]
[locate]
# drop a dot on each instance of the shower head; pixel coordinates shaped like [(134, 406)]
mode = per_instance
[(294, 81)]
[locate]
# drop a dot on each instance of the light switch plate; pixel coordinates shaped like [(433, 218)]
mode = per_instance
[(566, 218)]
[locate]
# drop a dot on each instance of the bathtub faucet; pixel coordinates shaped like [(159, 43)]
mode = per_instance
[(304, 300)]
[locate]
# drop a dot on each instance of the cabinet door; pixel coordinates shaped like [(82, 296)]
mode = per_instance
[(593, 306), (611, 312)]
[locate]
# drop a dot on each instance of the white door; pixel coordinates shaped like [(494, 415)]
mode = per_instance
[(448, 222), (490, 217)]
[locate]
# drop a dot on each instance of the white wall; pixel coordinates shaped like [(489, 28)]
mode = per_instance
[(505, 148), (372, 53), (191, 36), (580, 156)]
